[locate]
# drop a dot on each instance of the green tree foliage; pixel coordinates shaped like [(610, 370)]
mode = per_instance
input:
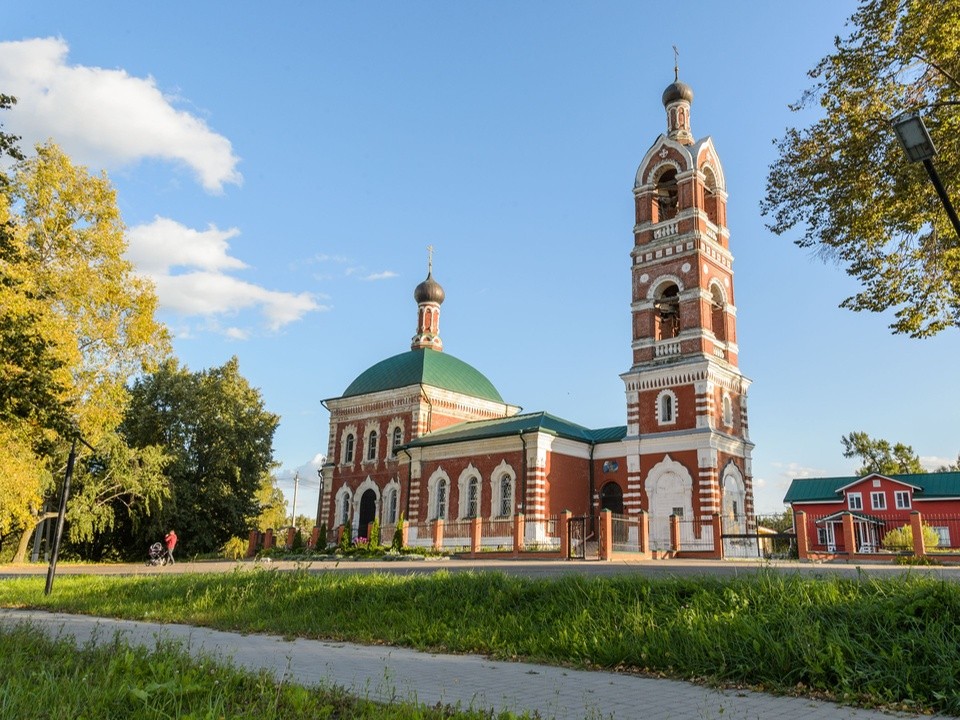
[(75, 324), (844, 181), (273, 505), (901, 538), (879, 456), (220, 440)]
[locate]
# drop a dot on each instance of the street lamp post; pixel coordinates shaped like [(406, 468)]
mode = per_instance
[(919, 147)]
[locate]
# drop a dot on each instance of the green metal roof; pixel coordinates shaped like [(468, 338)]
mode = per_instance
[(932, 485), (528, 422), (427, 367)]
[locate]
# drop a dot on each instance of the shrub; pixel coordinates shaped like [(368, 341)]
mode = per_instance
[(902, 538), (345, 540), (375, 533), (297, 545), (234, 549), (322, 538), (397, 543)]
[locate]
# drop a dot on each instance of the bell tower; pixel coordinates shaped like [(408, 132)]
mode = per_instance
[(687, 432)]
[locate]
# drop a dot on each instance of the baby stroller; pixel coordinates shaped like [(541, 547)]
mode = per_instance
[(158, 555)]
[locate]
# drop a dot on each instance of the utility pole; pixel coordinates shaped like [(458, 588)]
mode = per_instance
[(293, 512)]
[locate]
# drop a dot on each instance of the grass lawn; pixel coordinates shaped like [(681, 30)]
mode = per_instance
[(875, 642)]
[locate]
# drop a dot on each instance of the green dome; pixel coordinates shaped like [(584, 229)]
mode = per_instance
[(428, 367)]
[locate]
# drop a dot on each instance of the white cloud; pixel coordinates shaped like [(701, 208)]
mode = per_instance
[(932, 462), (791, 470), (165, 243), (106, 118), (386, 274), (202, 287)]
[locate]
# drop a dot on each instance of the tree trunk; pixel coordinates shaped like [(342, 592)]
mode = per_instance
[(21, 553)]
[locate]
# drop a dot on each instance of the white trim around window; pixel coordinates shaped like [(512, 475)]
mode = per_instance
[(878, 500), (855, 501), (902, 499)]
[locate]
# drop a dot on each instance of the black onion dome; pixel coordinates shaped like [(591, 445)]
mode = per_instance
[(677, 91), (429, 291)]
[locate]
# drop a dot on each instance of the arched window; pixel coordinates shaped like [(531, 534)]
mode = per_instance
[(473, 497), (711, 201), (396, 441), (372, 445), (348, 449), (666, 407), (392, 506), (506, 496), (667, 195), (727, 411), (667, 307), (440, 502), (345, 509), (717, 315)]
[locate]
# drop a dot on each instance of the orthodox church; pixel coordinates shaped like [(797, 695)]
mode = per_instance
[(425, 435)]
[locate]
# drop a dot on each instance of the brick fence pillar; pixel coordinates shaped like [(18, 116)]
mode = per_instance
[(800, 527), (252, 543), (519, 528), (475, 536), (916, 525), (438, 534), (314, 537), (291, 534), (717, 526), (643, 535), (606, 535), (849, 538), (268, 539)]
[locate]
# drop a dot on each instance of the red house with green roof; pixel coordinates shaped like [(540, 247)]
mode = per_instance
[(428, 436), (878, 504)]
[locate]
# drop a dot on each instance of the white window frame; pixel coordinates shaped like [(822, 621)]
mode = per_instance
[(349, 448), (396, 440), (822, 538), (727, 405), (855, 501), (472, 508), (943, 532), (440, 499), (371, 449), (505, 483), (902, 499), (878, 500), (663, 398)]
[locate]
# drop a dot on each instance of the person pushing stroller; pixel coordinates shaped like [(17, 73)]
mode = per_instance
[(171, 542)]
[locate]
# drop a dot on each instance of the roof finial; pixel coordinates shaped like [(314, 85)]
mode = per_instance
[(429, 259), (676, 66)]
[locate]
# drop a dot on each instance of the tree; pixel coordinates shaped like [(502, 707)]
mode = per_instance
[(76, 323), (879, 456), (273, 505), (844, 181), (220, 440), (955, 467)]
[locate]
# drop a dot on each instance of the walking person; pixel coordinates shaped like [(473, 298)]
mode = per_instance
[(171, 542)]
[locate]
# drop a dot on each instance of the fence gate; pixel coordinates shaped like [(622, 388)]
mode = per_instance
[(577, 538)]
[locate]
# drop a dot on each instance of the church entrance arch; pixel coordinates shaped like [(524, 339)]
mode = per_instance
[(669, 492), (611, 498), (368, 511)]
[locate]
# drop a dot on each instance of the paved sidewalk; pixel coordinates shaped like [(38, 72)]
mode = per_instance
[(389, 673)]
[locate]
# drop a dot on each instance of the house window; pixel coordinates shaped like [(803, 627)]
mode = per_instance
[(473, 487), (395, 442), (506, 496), (943, 535), (855, 501), (345, 510), (821, 536), (348, 449), (878, 500), (678, 511), (372, 446), (440, 504), (902, 499)]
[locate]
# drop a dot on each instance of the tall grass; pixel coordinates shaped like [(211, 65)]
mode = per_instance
[(886, 642), (46, 678)]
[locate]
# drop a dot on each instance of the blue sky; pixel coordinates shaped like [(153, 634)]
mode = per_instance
[(283, 166)]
